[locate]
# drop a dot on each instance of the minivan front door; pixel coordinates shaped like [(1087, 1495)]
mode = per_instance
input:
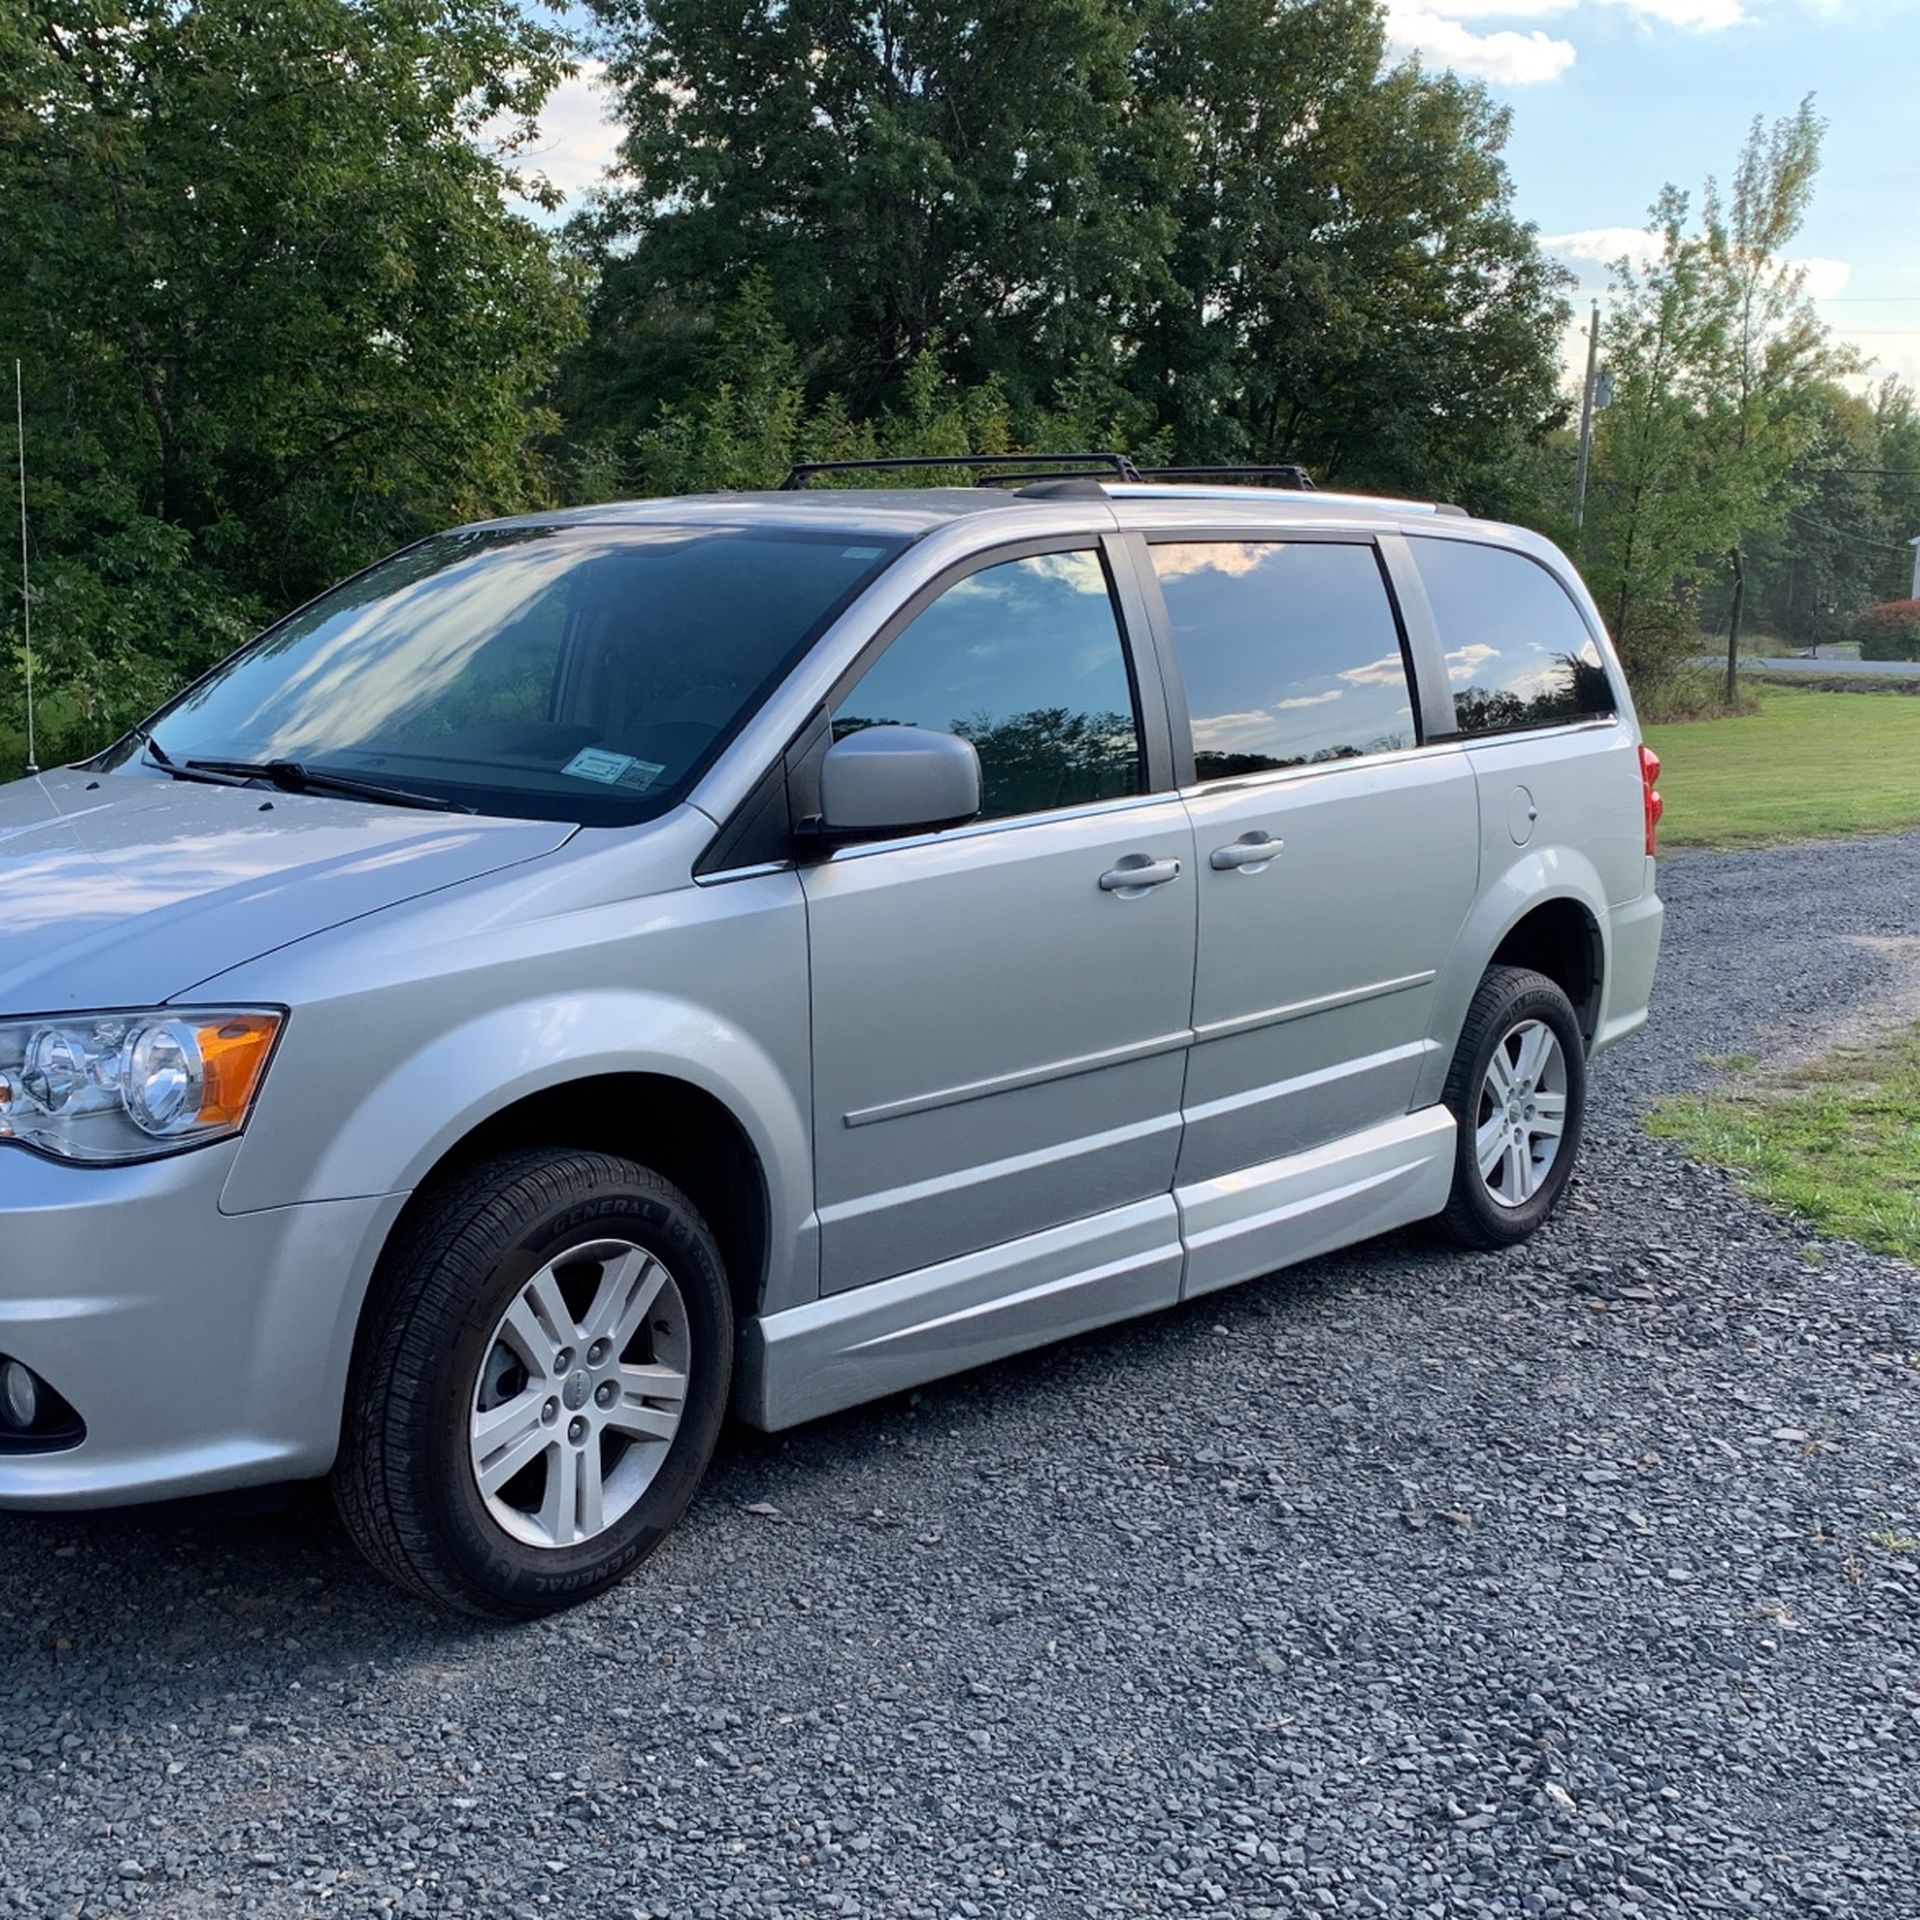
[(1000, 1012)]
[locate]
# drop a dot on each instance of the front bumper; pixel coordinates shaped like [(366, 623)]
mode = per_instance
[(202, 1350)]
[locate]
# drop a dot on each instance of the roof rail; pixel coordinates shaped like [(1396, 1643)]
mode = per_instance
[(1059, 466), (1286, 475)]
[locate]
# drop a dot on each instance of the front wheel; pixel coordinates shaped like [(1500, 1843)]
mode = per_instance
[(1517, 1090), (539, 1384)]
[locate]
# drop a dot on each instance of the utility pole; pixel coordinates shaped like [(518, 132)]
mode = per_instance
[(1586, 419)]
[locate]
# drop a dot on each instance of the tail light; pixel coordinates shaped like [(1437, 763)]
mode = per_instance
[(1650, 795)]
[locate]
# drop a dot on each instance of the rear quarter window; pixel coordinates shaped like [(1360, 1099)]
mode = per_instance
[(1518, 652)]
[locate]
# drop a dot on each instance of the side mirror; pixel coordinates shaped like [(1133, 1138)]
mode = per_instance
[(883, 781)]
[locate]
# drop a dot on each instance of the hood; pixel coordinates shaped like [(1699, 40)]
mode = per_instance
[(124, 890)]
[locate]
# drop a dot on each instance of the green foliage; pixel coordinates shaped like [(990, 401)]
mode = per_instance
[(1224, 227), (1718, 363), (1890, 631), (1838, 546), (279, 314), (274, 311), (752, 420)]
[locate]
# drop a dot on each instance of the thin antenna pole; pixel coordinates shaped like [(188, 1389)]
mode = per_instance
[(26, 599)]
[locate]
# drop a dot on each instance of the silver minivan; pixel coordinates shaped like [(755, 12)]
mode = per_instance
[(765, 951)]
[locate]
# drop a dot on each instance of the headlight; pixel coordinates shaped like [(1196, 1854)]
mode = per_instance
[(104, 1087)]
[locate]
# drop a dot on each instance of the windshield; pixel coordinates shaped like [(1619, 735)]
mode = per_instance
[(557, 673)]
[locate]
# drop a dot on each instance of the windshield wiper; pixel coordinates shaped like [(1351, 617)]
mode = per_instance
[(158, 756), (290, 776)]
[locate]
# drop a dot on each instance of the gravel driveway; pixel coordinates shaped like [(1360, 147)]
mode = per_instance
[(1401, 1583)]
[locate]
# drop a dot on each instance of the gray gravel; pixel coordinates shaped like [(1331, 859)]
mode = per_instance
[(1541, 1583)]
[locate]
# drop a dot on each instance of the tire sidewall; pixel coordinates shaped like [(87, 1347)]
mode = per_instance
[(1541, 1000), (516, 1577)]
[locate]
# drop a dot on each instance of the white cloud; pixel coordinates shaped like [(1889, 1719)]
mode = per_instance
[(1698, 16), (1606, 245), (1307, 700), (1377, 673), (1470, 658), (1437, 31), (578, 137), (1825, 278), (1497, 9), (1432, 29), (1225, 731)]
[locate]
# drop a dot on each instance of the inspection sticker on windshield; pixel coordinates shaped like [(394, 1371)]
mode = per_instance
[(613, 769)]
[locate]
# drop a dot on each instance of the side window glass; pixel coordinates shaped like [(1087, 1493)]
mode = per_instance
[(1025, 660), (1518, 652), (1289, 653)]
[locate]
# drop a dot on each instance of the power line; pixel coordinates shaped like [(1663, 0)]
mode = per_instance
[(1837, 533)]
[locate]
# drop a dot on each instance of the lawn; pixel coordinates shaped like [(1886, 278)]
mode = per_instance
[(1804, 766), (1837, 1142)]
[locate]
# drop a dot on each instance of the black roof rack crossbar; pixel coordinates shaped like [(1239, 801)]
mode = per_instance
[(1026, 474), (1287, 475), (1057, 466)]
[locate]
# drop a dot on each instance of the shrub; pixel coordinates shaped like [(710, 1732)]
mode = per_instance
[(1662, 637), (1697, 693), (1890, 631)]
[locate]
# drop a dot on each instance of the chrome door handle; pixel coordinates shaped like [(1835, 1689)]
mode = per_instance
[(1249, 853), (1136, 873)]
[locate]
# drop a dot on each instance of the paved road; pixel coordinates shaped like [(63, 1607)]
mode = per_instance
[(1824, 667), (1559, 1582)]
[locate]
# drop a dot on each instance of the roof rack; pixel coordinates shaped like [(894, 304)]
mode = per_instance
[(1059, 466), (1287, 475)]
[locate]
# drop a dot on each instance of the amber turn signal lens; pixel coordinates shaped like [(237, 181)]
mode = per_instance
[(233, 1056)]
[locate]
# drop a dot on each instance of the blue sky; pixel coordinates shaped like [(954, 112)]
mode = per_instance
[(1612, 98)]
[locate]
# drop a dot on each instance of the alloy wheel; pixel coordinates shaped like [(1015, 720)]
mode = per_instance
[(1522, 1113), (580, 1394)]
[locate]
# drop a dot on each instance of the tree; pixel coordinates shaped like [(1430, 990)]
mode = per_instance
[(1348, 285), (1224, 221), (274, 310), (1774, 350), (1718, 363), (898, 170), (1652, 510), (748, 419)]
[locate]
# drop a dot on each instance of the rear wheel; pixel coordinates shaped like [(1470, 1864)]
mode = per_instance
[(1517, 1090), (539, 1384)]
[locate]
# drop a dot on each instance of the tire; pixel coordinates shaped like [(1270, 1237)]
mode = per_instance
[(466, 1332), (1504, 1208)]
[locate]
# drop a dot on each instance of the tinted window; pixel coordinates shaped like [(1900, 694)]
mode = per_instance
[(1025, 660), (564, 673), (1518, 652), (1289, 653)]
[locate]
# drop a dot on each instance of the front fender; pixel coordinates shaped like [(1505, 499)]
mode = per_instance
[(1535, 876), (422, 1103)]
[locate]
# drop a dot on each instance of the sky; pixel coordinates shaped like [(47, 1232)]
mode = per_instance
[(1613, 98)]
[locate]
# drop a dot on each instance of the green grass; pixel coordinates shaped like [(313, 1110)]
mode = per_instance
[(1803, 766), (1837, 1142)]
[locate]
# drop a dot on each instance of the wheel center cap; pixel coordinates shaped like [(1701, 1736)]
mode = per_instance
[(575, 1392)]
